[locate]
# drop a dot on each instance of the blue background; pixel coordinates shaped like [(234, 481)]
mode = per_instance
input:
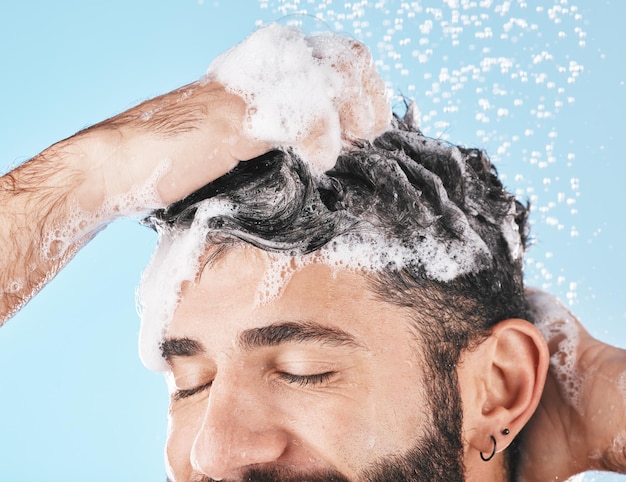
[(75, 402)]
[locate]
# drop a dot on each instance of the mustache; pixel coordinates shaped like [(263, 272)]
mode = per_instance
[(279, 474)]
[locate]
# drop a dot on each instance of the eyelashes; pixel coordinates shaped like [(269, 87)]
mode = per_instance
[(307, 380), (189, 392), (317, 379)]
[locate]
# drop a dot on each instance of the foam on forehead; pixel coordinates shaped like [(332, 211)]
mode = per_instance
[(176, 260), (378, 209)]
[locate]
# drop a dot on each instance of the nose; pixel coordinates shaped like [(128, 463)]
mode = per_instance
[(239, 429)]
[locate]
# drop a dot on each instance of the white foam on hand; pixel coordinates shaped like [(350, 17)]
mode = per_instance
[(313, 93)]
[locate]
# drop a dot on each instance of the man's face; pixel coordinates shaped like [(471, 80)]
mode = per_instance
[(323, 380)]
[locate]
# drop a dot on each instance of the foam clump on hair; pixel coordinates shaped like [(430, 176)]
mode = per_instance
[(296, 85)]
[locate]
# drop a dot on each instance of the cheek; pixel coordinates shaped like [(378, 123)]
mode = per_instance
[(182, 429), (349, 432), (333, 430), (391, 419)]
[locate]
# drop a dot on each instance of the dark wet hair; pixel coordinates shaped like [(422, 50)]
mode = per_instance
[(402, 186)]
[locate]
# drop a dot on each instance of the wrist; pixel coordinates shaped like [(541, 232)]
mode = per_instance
[(116, 181), (605, 399), (84, 154)]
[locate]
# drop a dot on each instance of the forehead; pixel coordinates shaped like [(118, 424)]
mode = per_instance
[(237, 290)]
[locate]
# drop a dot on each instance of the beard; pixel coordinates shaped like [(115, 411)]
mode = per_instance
[(428, 461), (436, 457), (280, 474)]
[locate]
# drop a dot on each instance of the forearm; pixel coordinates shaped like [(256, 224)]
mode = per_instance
[(166, 148), (39, 224), (142, 159)]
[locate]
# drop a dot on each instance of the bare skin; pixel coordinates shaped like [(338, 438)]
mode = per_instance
[(99, 164), (197, 132), (364, 402), (565, 438), (180, 141), (80, 175)]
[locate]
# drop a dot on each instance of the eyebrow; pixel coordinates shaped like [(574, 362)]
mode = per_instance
[(173, 347), (267, 336), (298, 332)]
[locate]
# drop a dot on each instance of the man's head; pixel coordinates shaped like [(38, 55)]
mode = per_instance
[(351, 322)]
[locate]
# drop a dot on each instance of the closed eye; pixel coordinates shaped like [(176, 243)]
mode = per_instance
[(307, 380), (189, 392)]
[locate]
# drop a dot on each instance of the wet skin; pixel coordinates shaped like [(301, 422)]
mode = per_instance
[(325, 376)]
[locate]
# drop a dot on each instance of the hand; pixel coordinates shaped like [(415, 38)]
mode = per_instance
[(580, 424), (360, 97), (312, 93), (332, 93), (165, 148)]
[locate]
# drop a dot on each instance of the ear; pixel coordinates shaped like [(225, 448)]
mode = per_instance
[(501, 383)]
